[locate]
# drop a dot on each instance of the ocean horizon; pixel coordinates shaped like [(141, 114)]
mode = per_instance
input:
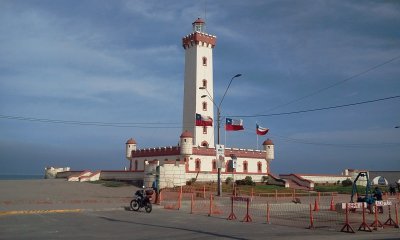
[(21, 176)]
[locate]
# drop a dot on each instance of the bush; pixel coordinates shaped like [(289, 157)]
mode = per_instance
[(246, 181), (228, 180), (347, 182)]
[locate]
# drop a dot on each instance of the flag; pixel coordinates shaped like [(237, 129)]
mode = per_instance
[(261, 130), (202, 120), (234, 124)]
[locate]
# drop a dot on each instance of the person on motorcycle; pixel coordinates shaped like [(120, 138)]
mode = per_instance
[(140, 194)]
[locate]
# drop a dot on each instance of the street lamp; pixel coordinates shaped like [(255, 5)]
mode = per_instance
[(219, 123)]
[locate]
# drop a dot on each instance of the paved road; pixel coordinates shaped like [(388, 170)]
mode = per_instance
[(108, 218)]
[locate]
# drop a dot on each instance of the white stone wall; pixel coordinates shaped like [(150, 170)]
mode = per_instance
[(172, 175), (51, 172), (324, 179)]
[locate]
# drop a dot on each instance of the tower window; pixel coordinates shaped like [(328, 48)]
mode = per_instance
[(204, 106), (204, 130), (204, 61), (204, 83)]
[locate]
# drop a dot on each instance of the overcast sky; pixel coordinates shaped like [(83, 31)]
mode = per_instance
[(123, 62)]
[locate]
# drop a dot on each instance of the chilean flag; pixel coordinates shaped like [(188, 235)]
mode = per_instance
[(202, 120), (261, 130), (234, 124)]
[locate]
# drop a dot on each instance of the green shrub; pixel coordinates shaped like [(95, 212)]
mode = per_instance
[(347, 182), (246, 181), (228, 180)]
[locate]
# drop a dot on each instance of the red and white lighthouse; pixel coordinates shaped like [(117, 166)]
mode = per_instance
[(198, 82)]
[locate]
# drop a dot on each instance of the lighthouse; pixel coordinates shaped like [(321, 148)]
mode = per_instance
[(195, 155), (198, 83)]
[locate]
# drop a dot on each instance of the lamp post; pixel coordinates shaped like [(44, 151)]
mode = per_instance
[(219, 124)]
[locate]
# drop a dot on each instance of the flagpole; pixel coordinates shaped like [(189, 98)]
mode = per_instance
[(257, 135), (225, 136), (257, 141)]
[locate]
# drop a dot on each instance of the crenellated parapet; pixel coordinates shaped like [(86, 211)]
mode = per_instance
[(199, 38), (238, 152), (154, 152)]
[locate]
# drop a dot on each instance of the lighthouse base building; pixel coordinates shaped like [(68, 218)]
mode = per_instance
[(196, 157), (176, 165)]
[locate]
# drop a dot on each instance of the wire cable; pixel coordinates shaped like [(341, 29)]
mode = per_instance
[(336, 84), (315, 109), (99, 124)]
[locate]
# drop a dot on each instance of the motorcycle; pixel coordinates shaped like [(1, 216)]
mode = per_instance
[(142, 199)]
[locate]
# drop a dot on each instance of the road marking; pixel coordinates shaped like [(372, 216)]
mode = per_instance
[(24, 212)]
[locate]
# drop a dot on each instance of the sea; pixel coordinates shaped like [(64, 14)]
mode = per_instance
[(21, 176)]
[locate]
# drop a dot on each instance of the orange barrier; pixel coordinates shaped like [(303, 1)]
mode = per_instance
[(300, 213), (311, 218), (191, 204), (332, 205), (376, 223), (316, 207), (211, 199), (364, 226), (390, 221), (232, 216), (247, 218), (347, 226)]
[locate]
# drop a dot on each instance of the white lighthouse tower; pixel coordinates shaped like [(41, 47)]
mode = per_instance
[(198, 82)]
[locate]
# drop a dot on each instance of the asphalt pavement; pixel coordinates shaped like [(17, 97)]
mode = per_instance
[(56, 209)]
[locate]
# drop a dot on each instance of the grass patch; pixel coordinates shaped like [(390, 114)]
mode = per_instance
[(339, 189)]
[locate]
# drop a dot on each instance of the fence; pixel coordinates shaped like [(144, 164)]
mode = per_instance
[(305, 210)]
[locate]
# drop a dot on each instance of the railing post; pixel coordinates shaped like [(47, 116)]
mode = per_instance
[(311, 218), (191, 204), (347, 224), (211, 200)]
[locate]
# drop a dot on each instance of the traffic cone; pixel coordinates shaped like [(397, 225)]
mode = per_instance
[(316, 208), (332, 207)]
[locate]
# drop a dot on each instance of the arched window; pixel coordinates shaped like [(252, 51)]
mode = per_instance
[(197, 165), (204, 144), (259, 167), (214, 165), (204, 61), (204, 106), (204, 130), (245, 167), (204, 83)]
